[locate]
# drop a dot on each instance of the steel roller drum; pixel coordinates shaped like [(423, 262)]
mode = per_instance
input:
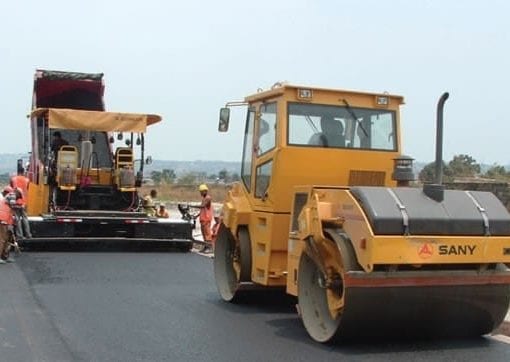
[(406, 304)]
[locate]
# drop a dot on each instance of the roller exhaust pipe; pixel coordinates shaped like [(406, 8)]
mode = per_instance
[(439, 138), (436, 190)]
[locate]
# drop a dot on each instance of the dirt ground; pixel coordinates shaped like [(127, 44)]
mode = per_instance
[(186, 193)]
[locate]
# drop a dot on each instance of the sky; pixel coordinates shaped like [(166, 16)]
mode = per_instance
[(185, 59)]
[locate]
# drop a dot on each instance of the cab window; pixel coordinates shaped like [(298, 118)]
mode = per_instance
[(263, 177), (267, 128), (247, 150), (327, 126)]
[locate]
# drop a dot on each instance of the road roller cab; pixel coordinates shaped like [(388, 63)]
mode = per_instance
[(323, 209)]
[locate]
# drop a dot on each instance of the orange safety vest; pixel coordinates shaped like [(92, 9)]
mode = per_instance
[(21, 182), (206, 213), (163, 214), (6, 213)]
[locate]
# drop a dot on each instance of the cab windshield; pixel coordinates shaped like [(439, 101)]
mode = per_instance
[(315, 125)]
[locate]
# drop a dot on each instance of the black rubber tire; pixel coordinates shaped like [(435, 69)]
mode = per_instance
[(225, 275), (245, 253), (185, 248)]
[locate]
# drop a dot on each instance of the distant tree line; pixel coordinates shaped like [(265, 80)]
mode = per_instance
[(4, 179), (165, 176), (168, 176), (462, 166)]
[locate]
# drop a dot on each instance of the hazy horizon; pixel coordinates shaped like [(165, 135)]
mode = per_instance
[(184, 60)]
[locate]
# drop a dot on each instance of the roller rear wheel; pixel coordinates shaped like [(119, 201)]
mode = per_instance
[(230, 268), (313, 302), (244, 254)]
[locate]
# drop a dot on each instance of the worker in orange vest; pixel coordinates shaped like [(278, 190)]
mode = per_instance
[(205, 217), (149, 203), (6, 224), (21, 181), (20, 184), (162, 212)]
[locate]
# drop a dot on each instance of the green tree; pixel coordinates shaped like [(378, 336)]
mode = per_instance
[(464, 166), (165, 176), (223, 175), (497, 172), (428, 173), (156, 176), (168, 176)]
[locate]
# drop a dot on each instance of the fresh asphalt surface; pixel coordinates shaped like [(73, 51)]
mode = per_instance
[(119, 306)]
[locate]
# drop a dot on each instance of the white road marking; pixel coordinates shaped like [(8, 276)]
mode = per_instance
[(501, 338)]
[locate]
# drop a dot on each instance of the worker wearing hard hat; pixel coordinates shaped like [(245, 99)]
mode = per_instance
[(206, 216), (20, 185), (148, 203), (6, 224), (162, 212)]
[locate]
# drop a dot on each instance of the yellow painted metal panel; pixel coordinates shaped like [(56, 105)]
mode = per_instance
[(269, 239), (96, 120), (440, 249), (38, 196)]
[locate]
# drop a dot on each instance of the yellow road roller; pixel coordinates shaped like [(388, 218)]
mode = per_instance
[(324, 210)]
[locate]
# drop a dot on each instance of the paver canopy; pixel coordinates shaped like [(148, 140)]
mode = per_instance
[(96, 120)]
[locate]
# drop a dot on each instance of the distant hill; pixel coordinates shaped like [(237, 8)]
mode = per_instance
[(8, 165), (8, 161), (183, 167)]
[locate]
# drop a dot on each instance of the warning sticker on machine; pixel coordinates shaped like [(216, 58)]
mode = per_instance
[(425, 251)]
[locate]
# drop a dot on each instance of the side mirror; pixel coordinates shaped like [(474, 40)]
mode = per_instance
[(127, 142), (19, 166), (138, 179), (224, 119), (120, 136), (111, 139), (148, 160)]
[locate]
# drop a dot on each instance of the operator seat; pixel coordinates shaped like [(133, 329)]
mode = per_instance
[(332, 134), (124, 172)]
